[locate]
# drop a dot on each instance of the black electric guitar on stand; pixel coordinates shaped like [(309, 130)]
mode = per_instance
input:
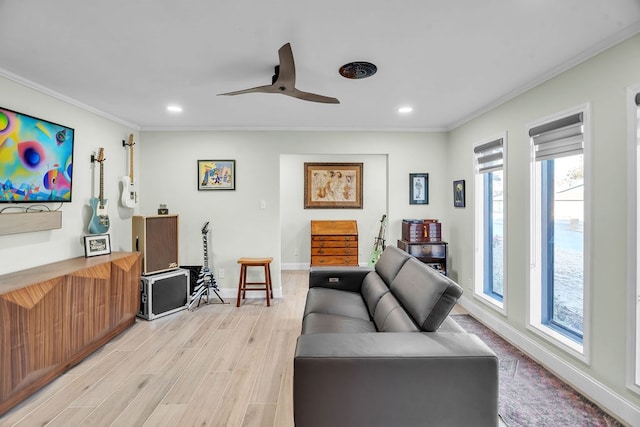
[(99, 223), (206, 282), (379, 244)]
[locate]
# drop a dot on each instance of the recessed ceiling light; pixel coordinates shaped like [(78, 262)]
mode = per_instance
[(174, 108), (405, 110)]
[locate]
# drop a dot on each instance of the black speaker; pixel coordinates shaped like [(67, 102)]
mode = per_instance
[(157, 238)]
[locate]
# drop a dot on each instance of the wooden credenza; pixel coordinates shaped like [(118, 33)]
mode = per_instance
[(334, 243), (53, 316)]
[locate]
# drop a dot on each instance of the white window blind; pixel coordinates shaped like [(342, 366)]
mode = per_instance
[(489, 156), (559, 138)]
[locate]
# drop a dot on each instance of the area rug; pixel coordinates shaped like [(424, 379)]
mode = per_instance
[(529, 394)]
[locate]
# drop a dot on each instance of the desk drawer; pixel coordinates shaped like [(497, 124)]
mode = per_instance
[(334, 244), (334, 251), (319, 260)]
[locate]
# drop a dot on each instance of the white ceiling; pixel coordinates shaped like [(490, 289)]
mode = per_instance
[(450, 60)]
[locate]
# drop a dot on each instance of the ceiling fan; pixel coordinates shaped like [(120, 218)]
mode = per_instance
[(284, 81)]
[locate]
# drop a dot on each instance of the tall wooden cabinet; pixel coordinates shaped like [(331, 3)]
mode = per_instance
[(334, 243), (53, 316)]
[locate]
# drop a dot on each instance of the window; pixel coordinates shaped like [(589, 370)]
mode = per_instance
[(490, 217), (558, 280)]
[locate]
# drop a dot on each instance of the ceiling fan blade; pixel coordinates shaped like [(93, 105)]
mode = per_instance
[(308, 96), (287, 68), (284, 81), (258, 89)]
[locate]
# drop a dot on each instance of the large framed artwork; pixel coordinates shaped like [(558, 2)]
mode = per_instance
[(216, 174), (418, 188), (333, 185)]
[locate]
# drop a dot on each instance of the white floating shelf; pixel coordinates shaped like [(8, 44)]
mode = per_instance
[(26, 222)]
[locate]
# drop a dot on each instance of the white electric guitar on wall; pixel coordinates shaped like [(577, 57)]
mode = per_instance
[(129, 195)]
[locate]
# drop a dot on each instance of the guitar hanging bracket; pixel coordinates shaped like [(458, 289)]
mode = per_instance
[(130, 143), (94, 159)]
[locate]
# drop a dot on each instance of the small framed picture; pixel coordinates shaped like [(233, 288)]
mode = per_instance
[(216, 174), (97, 244), (418, 188), (458, 193)]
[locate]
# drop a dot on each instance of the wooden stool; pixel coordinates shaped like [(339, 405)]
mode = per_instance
[(242, 284)]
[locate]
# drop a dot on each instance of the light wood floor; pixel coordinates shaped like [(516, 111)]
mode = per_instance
[(216, 366)]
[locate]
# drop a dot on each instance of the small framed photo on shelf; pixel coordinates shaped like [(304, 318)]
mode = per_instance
[(458, 193), (97, 244), (216, 174), (418, 188)]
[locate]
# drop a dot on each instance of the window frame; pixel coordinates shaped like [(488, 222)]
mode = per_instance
[(480, 228), (633, 243), (535, 320)]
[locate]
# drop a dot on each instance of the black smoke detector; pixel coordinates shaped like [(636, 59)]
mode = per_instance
[(358, 70)]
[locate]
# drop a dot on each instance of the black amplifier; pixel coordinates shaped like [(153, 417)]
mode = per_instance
[(164, 293)]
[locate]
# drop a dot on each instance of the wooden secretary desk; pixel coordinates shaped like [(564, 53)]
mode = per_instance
[(334, 243)]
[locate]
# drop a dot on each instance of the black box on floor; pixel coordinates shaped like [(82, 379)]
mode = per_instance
[(194, 271), (164, 293)]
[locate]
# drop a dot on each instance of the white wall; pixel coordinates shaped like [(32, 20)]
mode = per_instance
[(269, 168), (25, 250), (296, 221), (602, 82)]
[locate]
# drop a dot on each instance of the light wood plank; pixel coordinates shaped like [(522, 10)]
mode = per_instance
[(259, 415), (166, 416)]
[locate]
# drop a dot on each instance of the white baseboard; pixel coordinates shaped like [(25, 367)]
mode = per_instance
[(294, 266), (232, 293), (600, 394)]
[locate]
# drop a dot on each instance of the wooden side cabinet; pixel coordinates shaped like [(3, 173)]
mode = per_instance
[(434, 254), (53, 316), (334, 243)]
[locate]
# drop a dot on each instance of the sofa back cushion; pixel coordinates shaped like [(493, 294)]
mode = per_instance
[(391, 317), (427, 295), (373, 288), (390, 262)]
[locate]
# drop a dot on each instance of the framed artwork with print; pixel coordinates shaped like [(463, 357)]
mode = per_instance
[(97, 244), (419, 189)]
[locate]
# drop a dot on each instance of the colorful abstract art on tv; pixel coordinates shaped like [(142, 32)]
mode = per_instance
[(36, 159)]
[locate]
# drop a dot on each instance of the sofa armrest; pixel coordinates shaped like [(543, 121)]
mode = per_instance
[(343, 278), (382, 379)]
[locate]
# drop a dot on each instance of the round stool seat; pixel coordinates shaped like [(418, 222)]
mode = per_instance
[(243, 285)]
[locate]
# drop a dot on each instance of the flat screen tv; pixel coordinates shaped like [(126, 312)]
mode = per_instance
[(36, 159)]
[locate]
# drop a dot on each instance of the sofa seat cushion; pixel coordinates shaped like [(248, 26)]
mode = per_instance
[(320, 323), (426, 295), (336, 302)]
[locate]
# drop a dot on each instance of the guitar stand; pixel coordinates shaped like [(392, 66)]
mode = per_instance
[(206, 288)]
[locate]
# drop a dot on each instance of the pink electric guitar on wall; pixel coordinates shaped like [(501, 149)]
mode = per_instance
[(129, 195)]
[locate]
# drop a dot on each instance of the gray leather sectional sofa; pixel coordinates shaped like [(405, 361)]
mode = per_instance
[(378, 348)]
